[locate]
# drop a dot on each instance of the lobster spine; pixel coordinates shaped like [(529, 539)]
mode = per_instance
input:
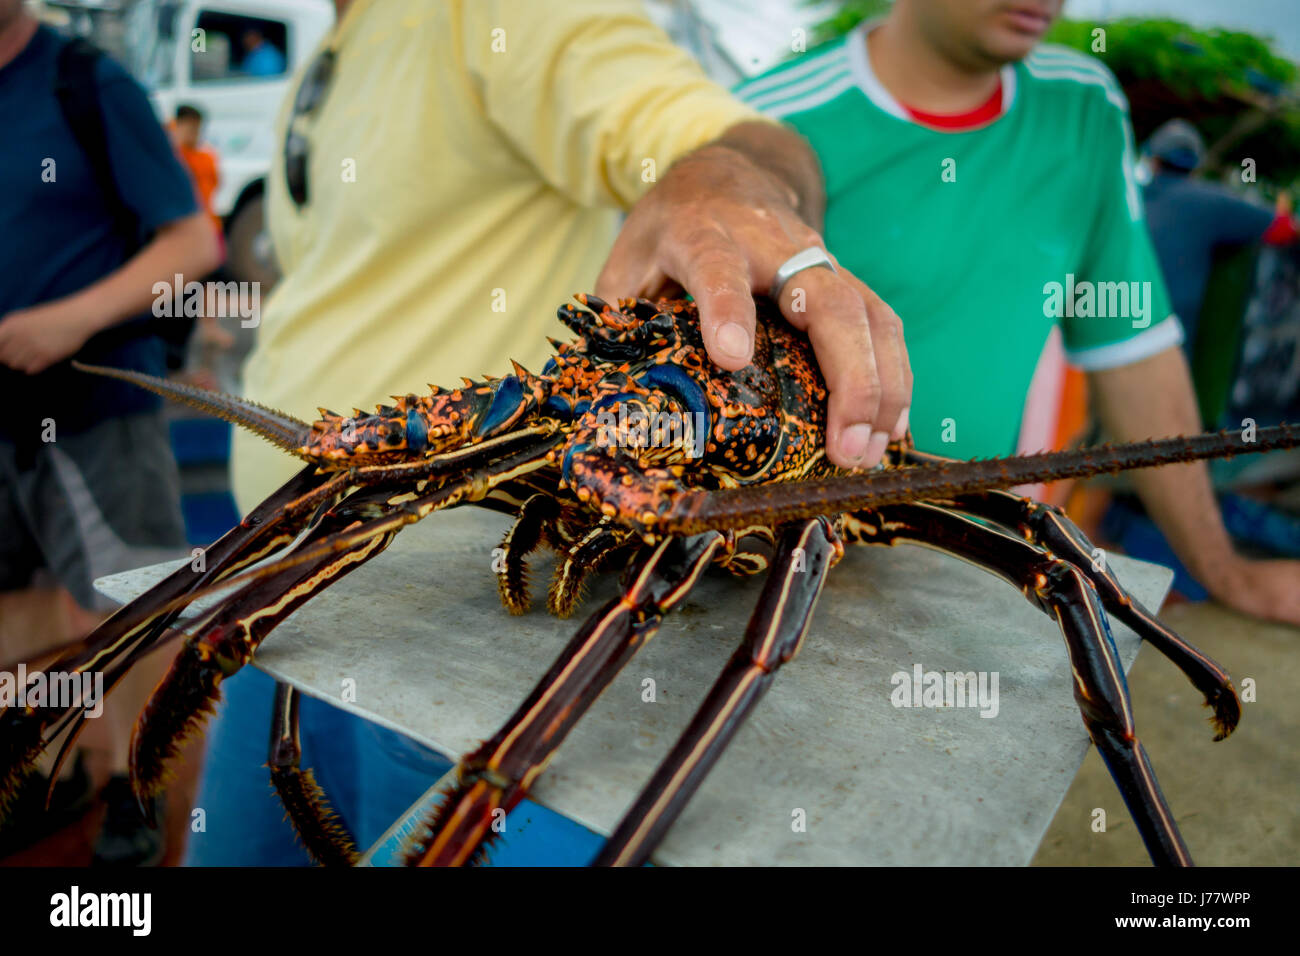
[(280, 429)]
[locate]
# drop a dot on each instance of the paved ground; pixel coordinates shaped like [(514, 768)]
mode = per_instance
[(1237, 802)]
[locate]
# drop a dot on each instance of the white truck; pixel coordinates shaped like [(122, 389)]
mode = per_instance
[(201, 52)]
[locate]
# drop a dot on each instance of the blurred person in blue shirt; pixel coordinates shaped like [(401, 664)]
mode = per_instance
[(261, 57), (97, 210), (1190, 218)]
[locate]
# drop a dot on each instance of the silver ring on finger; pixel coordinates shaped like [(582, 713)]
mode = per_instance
[(808, 258)]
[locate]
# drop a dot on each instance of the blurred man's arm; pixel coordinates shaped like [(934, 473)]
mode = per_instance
[(609, 111), (1236, 221), (1142, 387), (152, 184), (1154, 398), (33, 339)]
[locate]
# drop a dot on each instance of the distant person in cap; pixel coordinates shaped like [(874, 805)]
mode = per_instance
[(1189, 218)]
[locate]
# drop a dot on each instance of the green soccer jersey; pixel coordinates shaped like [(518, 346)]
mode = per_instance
[(982, 240)]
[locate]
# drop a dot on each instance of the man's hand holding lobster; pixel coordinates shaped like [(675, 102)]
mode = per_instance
[(720, 224)]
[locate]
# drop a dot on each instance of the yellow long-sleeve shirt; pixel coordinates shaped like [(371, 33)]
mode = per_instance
[(465, 173)]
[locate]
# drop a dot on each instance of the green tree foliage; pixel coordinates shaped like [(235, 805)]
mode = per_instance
[(848, 16), (1193, 63), (1243, 97)]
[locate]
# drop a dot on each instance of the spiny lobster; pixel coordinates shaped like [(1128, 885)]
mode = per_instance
[(629, 450)]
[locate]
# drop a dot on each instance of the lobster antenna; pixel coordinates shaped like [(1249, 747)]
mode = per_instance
[(737, 507), (283, 431)]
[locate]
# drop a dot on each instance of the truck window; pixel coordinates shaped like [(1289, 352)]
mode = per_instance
[(230, 46)]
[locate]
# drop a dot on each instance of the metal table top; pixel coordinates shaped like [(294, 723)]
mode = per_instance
[(421, 633)]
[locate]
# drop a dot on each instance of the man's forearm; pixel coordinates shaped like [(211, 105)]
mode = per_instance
[(1154, 398), (187, 247), (785, 154), (33, 339)]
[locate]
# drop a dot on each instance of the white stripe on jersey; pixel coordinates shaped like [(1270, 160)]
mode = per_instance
[(774, 81), (824, 95), (773, 98), (1055, 53), (1165, 334), (1095, 75), (1081, 69)]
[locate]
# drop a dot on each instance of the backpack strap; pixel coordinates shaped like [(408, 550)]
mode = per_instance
[(77, 91)]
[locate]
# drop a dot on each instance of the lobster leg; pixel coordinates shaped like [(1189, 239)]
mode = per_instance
[(493, 779), (1050, 528), (521, 540), (136, 627), (348, 535), (585, 555), (221, 646), (806, 551), (743, 562), (317, 824), (1064, 592)]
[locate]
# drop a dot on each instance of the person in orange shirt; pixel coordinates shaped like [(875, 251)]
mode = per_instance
[(201, 161)]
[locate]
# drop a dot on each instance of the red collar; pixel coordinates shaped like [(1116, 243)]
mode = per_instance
[(986, 112)]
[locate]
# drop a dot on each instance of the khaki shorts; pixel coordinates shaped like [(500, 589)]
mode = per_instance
[(93, 503)]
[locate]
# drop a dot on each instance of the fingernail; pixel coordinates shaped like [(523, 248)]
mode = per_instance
[(733, 339), (854, 442), (876, 447), (901, 428)]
